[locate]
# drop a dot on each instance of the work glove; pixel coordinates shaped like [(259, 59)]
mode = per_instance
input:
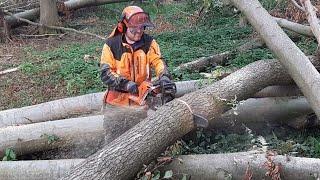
[(132, 87)]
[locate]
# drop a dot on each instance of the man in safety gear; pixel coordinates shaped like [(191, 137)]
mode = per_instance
[(128, 56)]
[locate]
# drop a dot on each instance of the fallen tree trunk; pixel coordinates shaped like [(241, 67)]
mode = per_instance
[(218, 59), (278, 91), (33, 14), (204, 166), (53, 110), (36, 170), (84, 133), (295, 27), (64, 108), (77, 4), (235, 166), (124, 156), (263, 111), (312, 18), (31, 138), (292, 58)]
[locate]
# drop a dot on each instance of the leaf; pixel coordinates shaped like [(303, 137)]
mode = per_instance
[(12, 155), (5, 158), (168, 174)]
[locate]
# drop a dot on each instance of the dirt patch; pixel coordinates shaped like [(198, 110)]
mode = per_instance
[(292, 13)]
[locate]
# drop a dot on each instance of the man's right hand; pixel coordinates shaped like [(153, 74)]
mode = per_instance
[(132, 87)]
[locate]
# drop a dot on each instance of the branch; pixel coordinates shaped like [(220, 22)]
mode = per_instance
[(312, 18), (54, 27), (294, 2)]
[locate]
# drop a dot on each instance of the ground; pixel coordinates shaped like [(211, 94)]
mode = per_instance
[(55, 67)]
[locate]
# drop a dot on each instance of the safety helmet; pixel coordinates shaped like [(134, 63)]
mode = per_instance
[(134, 16)]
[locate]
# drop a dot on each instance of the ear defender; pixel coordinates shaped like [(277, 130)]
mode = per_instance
[(121, 27)]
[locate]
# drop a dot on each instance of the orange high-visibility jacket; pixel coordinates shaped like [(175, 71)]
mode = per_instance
[(121, 62)]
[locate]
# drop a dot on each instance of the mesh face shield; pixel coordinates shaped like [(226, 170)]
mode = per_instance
[(139, 20)]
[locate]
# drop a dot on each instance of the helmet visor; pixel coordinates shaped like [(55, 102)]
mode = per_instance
[(140, 19)]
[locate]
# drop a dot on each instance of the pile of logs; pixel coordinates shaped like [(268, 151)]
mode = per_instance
[(285, 89)]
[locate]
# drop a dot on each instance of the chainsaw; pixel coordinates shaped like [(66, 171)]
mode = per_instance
[(154, 95)]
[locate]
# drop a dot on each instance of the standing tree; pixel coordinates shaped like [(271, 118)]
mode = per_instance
[(48, 15)]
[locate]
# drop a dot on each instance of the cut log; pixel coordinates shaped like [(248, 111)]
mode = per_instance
[(204, 166), (278, 91), (235, 166), (123, 157), (85, 132), (218, 59), (292, 58)]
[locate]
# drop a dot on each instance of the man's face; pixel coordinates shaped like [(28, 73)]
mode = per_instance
[(134, 33)]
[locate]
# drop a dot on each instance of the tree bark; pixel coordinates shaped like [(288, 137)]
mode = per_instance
[(68, 107), (48, 16), (202, 166), (53, 110), (312, 18), (36, 170), (77, 4), (295, 27), (31, 15), (68, 5), (278, 91), (124, 156), (293, 59), (85, 132), (32, 138), (262, 111), (218, 59), (235, 165)]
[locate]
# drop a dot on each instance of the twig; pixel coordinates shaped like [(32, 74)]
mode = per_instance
[(8, 55), (9, 70), (40, 35), (53, 27), (294, 2)]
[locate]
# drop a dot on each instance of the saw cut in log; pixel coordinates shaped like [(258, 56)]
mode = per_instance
[(124, 156), (290, 56), (204, 166), (240, 165), (218, 59), (85, 133), (64, 108)]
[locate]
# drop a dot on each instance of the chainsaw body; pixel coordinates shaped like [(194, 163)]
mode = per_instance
[(154, 95)]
